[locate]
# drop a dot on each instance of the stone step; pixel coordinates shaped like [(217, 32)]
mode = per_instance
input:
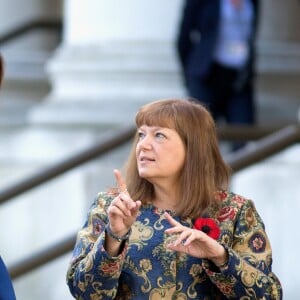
[(17, 97)]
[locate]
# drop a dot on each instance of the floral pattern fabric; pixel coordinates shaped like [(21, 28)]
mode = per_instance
[(146, 269)]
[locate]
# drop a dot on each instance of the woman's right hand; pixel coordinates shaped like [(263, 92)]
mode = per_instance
[(122, 211)]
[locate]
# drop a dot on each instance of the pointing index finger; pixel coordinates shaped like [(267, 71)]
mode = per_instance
[(171, 220), (120, 181)]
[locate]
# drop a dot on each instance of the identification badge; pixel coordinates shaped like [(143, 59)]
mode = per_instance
[(237, 48)]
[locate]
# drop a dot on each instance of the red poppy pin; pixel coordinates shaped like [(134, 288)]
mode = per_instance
[(208, 226)]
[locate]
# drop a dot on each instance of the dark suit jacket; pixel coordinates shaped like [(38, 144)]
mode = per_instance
[(198, 34), (6, 287)]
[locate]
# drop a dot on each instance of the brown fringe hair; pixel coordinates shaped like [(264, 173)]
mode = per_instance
[(204, 171)]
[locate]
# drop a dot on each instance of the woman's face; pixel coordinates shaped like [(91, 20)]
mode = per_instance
[(160, 153)]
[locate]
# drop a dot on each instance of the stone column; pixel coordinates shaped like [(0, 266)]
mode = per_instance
[(278, 66), (114, 57), (280, 21)]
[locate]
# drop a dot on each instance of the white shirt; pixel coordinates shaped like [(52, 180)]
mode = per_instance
[(235, 30)]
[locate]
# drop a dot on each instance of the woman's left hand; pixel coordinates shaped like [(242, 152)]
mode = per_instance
[(195, 243)]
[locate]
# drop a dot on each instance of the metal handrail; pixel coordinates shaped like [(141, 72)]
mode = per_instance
[(28, 26), (262, 149), (242, 132), (42, 257), (107, 143)]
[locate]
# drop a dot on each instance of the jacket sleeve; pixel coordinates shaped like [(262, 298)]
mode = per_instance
[(6, 287), (187, 25), (248, 274), (92, 273)]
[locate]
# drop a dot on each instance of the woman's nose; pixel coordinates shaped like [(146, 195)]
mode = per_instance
[(145, 143)]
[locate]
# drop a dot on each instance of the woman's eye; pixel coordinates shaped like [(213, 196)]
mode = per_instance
[(141, 135), (159, 135)]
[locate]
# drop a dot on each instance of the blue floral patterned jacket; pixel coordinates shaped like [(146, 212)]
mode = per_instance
[(146, 269)]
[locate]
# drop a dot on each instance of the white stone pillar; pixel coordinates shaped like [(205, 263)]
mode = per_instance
[(280, 21), (279, 37), (100, 21), (115, 55), (278, 84)]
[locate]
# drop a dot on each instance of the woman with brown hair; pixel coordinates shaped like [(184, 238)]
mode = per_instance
[(171, 230)]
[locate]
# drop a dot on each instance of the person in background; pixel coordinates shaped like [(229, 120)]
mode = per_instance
[(171, 229), (6, 287), (216, 49)]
